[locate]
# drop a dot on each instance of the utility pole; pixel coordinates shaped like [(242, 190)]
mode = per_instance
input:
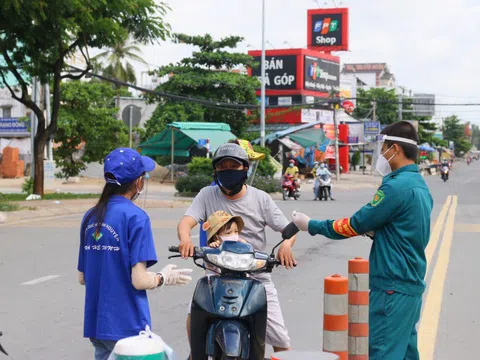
[(337, 160), (400, 107), (262, 90), (374, 103), (130, 127)]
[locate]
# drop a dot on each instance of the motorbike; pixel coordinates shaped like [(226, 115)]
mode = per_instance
[(469, 160), (289, 189), (445, 170), (229, 311), (1, 348), (324, 188)]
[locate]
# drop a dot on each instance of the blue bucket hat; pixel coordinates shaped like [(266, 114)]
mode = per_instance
[(126, 165)]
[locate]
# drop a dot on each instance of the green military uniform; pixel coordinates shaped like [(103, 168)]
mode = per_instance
[(399, 216)]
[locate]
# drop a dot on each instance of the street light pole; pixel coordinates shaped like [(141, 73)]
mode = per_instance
[(262, 90)]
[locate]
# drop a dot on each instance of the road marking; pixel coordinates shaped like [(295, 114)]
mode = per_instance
[(194, 237), (428, 329), (435, 235), (40, 280)]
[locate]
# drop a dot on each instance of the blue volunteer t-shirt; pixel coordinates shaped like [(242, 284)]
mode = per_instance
[(114, 309)]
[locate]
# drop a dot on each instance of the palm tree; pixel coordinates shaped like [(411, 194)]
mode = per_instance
[(118, 67)]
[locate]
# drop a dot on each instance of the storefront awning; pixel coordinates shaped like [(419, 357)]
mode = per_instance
[(185, 136)]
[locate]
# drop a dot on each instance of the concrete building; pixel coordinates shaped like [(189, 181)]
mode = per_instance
[(371, 75)]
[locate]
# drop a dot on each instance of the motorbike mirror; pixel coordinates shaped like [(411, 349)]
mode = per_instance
[(290, 231), (1, 348)]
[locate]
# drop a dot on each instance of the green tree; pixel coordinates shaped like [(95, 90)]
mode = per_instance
[(207, 75), (39, 36), (454, 130), (386, 105), (118, 65), (87, 126)]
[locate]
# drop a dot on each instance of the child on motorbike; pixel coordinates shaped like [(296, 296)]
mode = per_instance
[(220, 227)]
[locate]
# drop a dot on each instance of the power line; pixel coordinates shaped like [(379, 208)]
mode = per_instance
[(238, 106)]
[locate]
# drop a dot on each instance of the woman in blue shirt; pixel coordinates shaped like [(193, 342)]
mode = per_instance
[(116, 248)]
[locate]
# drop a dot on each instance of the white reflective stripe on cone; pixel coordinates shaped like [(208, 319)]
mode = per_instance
[(335, 340), (357, 345), (335, 304), (358, 314), (358, 282)]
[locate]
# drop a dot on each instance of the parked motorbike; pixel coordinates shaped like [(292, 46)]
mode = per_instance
[(289, 188), (444, 172), (324, 188), (229, 311)]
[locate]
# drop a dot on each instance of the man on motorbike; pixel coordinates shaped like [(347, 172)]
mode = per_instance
[(292, 170), (257, 209), (324, 173)]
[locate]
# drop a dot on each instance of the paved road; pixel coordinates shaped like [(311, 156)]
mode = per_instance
[(43, 320)]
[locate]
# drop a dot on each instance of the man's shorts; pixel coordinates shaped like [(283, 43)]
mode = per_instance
[(277, 334)]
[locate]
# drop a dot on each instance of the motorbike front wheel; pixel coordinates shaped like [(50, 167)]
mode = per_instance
[(285, 194)]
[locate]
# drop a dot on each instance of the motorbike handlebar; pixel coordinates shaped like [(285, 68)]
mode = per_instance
[(174, 249)]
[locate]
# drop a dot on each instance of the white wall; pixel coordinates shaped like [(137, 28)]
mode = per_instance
[(6, 100), (146, 109), (368, 78)]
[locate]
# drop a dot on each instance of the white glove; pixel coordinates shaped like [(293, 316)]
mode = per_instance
[(172, 276), (301, 220)]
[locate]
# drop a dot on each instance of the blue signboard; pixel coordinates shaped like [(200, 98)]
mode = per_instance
[(353, 139), (13, 125), (259, 99), (372, 128)]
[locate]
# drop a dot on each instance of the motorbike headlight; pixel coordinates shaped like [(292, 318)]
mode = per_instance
[(236, 262)]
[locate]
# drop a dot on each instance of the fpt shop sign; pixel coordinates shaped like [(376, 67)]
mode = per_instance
[(280, 72), (321, 74), (328, 29)]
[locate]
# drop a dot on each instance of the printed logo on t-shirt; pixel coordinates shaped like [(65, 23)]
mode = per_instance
[(97, 235)]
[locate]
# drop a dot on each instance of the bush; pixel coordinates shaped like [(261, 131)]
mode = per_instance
[(192, 183), (200, 166), (27, 186), (265, 167), (267, 184)]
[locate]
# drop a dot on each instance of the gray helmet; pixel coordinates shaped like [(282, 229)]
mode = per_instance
[(230, 151)]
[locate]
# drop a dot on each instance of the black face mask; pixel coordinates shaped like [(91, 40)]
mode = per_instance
[(231, 180)]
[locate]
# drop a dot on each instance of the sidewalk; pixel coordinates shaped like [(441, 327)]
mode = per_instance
[(50, 209)]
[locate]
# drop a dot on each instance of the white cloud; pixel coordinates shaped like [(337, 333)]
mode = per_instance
[(430, 45)]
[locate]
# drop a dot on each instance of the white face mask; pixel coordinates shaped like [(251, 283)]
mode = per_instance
[(231, 237), (383, 165), (145, 185)]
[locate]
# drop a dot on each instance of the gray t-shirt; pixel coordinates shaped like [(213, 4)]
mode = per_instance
[(256, 208)]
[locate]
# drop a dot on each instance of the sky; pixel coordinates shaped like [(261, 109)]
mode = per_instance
[(431, 46)]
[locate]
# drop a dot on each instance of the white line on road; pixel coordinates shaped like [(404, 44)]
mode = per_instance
[(40, 280), (195, 236)]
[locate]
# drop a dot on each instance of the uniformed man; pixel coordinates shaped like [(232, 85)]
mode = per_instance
[(398, 221)]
